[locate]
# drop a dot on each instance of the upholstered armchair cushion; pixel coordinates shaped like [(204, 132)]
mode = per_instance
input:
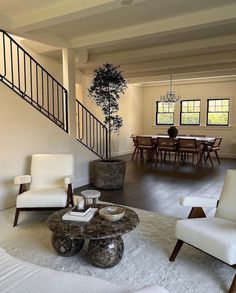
[(198, 201), (50, 170), (42, 198), (212, 235), (226, 208)]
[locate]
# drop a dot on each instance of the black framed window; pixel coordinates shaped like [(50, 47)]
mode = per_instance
[(164, 113), (218, 112), (190, 112)]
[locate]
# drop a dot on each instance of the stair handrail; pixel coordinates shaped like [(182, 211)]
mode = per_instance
[(93, 136), (57, 99)]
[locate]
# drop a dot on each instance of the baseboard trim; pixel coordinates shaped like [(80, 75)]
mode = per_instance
[(7, 205), (227, 156), (81, 182), (120, 153)]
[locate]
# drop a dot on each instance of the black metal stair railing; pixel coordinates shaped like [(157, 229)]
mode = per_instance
[(25, 76), (91, 132)]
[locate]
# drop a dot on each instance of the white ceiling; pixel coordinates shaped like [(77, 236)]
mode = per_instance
[(149, 38)]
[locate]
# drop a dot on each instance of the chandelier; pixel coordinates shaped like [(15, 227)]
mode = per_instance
[(170, 96)]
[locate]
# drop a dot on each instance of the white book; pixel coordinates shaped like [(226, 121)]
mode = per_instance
[(76, 212), (86, 218)]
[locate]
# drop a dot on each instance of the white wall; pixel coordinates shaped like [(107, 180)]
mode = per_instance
[(130, 110), (25, 131), (220, 88)]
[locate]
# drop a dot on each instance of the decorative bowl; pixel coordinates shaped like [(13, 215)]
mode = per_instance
[(112, 213)]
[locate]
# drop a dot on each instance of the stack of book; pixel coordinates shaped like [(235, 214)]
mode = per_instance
[(80, 215)]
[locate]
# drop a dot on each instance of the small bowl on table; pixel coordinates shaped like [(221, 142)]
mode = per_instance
[(112, 213)]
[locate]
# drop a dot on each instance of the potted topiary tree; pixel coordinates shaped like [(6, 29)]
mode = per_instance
[(105, 89)]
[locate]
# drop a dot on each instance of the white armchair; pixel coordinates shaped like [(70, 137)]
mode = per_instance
[(213, 235), (50, 184)]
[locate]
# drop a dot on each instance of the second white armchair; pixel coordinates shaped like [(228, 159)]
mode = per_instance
[(213, 235)]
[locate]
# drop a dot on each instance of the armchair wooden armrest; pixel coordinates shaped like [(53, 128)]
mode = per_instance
[(68, 180), (22, 180)]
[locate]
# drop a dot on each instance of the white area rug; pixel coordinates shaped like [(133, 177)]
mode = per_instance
[(145, 259)]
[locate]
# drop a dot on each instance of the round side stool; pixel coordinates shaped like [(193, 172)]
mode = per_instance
[(90, 196)]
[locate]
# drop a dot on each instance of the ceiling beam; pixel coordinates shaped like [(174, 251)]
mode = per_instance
[(176, 24), (215, 44), (186, 71), (182, 62), (150, 80), (221, 60), (63, 12)]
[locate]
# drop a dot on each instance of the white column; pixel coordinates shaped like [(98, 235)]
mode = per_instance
[(69, 83)]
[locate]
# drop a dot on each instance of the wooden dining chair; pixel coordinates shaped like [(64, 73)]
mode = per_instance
[(212, 147), (146, 143), (188, 146), (166, 145)]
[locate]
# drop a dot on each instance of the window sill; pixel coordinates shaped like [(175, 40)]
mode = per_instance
[(195, 127)]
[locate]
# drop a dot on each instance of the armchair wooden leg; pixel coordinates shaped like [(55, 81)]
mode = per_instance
[(232, 288), (70, 199), (196, 213), (16, 217), (176, 250)]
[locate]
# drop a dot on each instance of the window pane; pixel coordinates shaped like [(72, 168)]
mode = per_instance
[(190, 118), (165, 118), (190, 112), (218, 112), (165, 113), (218, 118)]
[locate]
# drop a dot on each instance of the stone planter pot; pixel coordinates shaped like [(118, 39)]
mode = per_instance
[(172, 131), (108, 174)]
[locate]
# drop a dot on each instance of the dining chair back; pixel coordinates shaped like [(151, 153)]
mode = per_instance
[(216, 143), (146, 143), (213, 147), (165, 143), (186, 144)]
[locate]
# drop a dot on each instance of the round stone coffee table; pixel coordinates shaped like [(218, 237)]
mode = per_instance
[(105, 247)]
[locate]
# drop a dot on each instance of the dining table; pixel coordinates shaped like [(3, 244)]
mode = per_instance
[(199, 139), (203, 141)]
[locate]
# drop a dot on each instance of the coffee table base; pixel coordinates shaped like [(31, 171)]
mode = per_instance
[(106, 253), (66, 246)]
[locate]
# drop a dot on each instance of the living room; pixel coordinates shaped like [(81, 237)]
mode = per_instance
[(151, 41)]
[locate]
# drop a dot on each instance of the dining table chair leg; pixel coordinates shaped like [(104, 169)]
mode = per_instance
[(161, 156), (209, 157), (175, 158), (165, 156), (217, 157), (135, 150)]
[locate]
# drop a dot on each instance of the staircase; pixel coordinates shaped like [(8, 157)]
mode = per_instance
[(33, 83)]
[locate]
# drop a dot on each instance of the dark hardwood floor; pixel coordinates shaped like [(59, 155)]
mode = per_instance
[(159, 188)]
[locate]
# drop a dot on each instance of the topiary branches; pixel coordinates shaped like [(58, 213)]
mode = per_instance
[(107, 85)]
